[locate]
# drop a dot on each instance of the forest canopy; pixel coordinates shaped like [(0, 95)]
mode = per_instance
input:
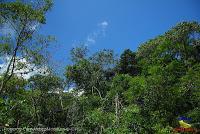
[(143, 91)]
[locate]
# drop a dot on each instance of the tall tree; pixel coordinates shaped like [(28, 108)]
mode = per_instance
[(128, 63), (22, 19), (90, 73)]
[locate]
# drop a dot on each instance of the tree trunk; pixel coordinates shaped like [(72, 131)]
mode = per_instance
[(117, 108)]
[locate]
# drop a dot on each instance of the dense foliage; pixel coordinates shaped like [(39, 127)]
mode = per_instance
[(141, 92)]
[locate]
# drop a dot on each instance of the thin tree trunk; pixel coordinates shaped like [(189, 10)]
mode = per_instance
[(61, 102), (7, 77), (98, 92), (117, 108), (35, 109), (17, 123)]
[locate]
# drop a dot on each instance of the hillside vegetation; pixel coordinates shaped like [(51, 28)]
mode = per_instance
[(143, 91)]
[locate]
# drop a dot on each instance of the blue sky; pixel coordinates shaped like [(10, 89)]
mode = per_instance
[(112, 24)]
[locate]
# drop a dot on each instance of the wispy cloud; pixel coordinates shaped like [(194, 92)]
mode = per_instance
[(103, 25), (91, 40), (96, 34)]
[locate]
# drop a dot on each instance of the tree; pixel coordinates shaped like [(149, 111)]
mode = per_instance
[(79, 53), (45, 88), (144, 93), (22, 19), (165, 61), (180, 44), (90, 74), (128, 63)]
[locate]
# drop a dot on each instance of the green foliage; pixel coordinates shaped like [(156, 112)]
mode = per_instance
[(45, 83), (138, 86), (91, 74), (19, 11), (79, 53), (144, 93), (128, 63), (5, 45), (22, 20)]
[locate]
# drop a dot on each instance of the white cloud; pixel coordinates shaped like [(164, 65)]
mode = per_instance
[(4, 63), (56, 91), (91, 40), (74, 91), (34, 26), (8, 29), (103, 24), (26, 71), (99, 32)]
